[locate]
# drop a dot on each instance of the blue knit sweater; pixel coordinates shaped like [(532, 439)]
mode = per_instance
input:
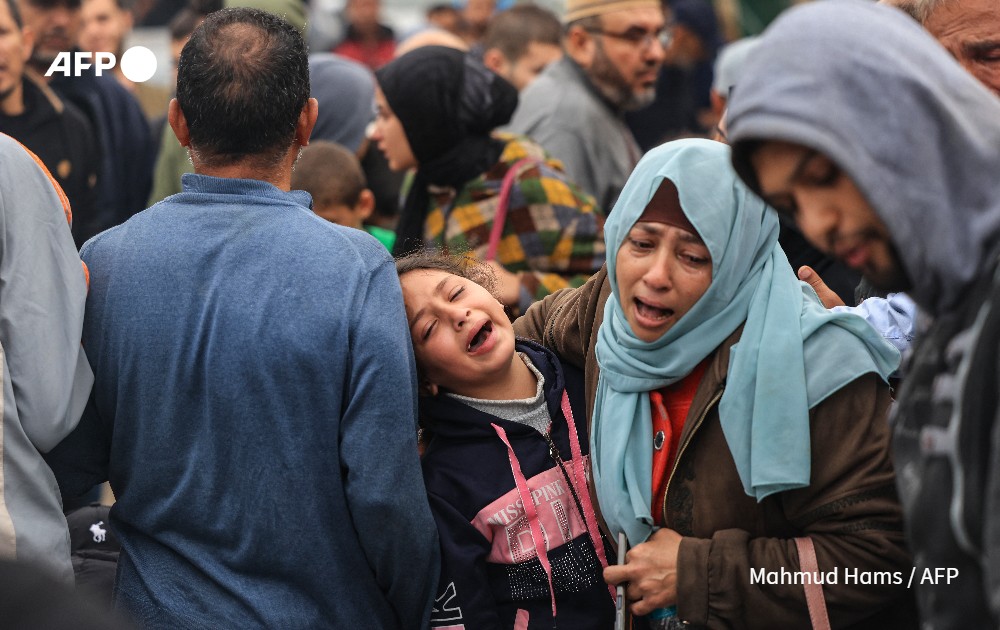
[(254, 409)]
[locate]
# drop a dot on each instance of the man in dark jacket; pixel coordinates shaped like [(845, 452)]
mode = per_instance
[(56, 131), (889, 161), (126, 166)]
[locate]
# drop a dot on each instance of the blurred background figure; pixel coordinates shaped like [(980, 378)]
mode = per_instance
[(333, 176), (345, 90), (104, 24), (728, 65), (682, 107), (575, 108), (366, 39), (437, 112), (521, 42), (30, 112), (445, 17), (123, 134), (475, 17), (431, 37)]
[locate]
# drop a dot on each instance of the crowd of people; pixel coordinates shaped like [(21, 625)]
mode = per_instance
[(524, 321)]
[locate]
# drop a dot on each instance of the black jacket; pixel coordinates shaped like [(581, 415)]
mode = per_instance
[(63, 139), (492, 575)]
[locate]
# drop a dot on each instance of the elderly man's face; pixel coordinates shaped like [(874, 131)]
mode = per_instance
[(830, 211), (55, 28), (970, 30), (628, 56)]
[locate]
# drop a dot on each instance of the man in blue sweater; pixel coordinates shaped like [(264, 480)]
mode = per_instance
[(254, 407)]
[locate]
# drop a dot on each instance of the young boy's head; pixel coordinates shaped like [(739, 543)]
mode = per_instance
[(333, 176), (462, 337), (521, 42)]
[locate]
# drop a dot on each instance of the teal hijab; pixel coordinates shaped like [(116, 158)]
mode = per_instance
[(792, 354)]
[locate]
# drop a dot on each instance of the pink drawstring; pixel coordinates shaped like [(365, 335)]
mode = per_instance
[(589, 516), (541, 546)]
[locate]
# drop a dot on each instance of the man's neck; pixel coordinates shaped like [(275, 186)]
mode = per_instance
[(282, 181), (12, 103), (279, 176)]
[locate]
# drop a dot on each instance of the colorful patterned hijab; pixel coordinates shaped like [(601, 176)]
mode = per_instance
[(775, 375)]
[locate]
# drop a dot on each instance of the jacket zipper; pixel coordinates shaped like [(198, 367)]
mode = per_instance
[(680, 451)]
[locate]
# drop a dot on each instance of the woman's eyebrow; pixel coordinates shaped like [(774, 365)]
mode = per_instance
[(688, 237)]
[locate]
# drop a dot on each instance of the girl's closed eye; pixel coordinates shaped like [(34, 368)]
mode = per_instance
[(428, 329)]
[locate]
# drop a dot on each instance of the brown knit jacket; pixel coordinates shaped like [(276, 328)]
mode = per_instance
[(850, 508)]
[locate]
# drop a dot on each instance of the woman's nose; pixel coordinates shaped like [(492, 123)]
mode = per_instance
[(657, 276)]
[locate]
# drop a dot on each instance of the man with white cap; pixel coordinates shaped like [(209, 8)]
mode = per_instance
[(614, 50)]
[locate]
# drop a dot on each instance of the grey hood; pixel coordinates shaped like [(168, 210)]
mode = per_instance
[(865, 85)]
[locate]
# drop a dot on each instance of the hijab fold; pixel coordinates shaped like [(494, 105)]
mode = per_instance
[(792, 353), (448, 104)]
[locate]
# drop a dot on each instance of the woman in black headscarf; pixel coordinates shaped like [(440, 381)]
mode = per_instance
[(436, 112)]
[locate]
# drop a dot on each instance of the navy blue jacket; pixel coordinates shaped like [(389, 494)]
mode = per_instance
[(492, 576)]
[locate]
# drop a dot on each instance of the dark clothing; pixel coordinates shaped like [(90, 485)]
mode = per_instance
[(448, 105), (126, 145), (945, 441), (94, 549), (491, 571), (841, 279), (927, 166), (62, 137)]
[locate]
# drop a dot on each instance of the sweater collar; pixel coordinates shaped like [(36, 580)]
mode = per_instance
[(445, 415), (195, 183)]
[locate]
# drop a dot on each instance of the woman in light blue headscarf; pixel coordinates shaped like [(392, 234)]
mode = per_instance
[(731, 413)]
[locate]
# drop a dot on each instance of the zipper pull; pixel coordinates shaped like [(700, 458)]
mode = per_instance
[(553, 451)]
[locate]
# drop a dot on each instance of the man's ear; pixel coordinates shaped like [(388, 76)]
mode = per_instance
[(365, 205), (580, 46), (427, 388), (27, 43), (307, 120), (178, 123), (496, 61)]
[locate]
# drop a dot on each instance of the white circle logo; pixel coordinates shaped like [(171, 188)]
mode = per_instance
[(138, 64)]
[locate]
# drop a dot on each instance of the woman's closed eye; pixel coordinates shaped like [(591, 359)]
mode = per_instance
[(641, 244), (696, 260)]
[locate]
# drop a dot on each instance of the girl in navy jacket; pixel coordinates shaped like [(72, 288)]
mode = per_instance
[(505, 462)]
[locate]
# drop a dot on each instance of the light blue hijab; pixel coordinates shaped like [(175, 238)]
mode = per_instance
[(775, 375)]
